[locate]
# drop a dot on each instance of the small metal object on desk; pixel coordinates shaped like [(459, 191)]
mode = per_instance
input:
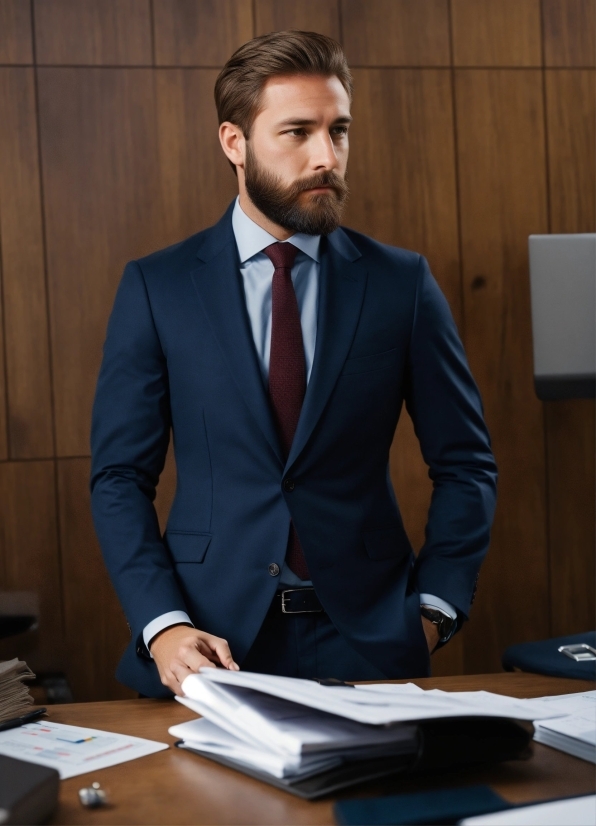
[(93, 796)]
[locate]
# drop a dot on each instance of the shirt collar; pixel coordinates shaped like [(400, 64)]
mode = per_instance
[(252, 239)]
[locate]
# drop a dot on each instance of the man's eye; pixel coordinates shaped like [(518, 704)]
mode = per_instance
[(340, 130), (297, 131)]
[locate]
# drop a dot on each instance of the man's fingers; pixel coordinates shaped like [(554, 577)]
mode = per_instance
[(178, 672), (192, 657), (222, 649)]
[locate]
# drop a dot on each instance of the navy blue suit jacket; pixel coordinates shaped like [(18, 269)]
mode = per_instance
[(179, 356)]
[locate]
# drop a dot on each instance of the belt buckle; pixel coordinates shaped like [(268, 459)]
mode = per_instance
[(292, 591)]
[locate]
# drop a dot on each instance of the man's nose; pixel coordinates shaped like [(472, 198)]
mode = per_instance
[(323, 154)]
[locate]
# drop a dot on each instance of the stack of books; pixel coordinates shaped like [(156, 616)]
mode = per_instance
[(313, 739), (14, 694)]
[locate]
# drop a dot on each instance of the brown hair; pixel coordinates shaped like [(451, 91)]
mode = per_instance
[(240, 83)]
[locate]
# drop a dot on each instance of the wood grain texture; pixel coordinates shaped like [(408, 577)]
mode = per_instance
[(571, 470), (571, 135), (103, 207), (396, 32), (496, 32), (191, 161), (502, 184), (176, 786), (320, 16), (569, 30), (29, 559), (200, 32), (15, 32), (23, 278), (570, 110), (96, 630), (93, 32)]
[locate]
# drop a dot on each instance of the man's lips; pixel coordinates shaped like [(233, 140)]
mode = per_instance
[(319, 189)]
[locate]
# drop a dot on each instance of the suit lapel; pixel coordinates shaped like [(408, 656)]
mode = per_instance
[(341, 291), (218, 283)]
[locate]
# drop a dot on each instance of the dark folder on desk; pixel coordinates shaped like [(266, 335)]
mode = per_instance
[(435, 744)]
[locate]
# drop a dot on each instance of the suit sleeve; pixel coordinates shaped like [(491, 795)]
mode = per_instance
[(444, 403), (129, 440)]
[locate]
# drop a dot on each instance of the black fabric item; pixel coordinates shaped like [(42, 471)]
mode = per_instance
[(438, 807), (543, 657), (28, 792)]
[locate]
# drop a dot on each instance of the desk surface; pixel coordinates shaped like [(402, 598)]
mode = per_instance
[(175, 787)]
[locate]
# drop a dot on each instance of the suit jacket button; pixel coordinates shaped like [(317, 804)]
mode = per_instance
[(274, 569), (289, 485)]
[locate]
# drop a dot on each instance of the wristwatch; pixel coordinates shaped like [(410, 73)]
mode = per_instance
[(446, 625)]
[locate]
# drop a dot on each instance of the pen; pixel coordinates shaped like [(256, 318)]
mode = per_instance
[(21, 721)]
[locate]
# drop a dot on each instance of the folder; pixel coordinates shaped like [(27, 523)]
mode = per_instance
[(435, 744)]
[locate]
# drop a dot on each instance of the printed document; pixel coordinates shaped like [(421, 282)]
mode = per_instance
[(73, 750)]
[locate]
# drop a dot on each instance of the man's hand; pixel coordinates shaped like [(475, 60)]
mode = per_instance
[(179, 651), (431, 632)]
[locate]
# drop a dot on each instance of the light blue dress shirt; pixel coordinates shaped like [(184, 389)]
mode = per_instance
[(257, 274)]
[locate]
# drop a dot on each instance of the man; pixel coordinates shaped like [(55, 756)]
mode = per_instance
[(278, 348)]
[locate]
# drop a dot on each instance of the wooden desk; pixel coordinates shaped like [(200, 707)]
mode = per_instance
[(174, 787)]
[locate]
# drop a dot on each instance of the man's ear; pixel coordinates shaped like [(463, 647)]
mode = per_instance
[(232, 142)]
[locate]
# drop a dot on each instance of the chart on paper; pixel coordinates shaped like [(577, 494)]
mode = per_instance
[(73, 750)]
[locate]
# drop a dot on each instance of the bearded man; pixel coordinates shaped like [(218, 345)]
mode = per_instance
[(278, 348)]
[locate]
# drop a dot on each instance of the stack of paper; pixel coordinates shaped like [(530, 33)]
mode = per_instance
[(298, 728), (14, 694), (574, 733)]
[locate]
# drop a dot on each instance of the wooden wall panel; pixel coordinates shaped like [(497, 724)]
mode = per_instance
[(15, 32), (29, 559), (570, 116), (93, 32), (309, 15), (25, 304), (103, 207), (191, 161), (200, 32), (396, 32), (571, 451), (570, 109), (403, 187), (96, 630), (569, 32), (496, 32), (502, 186), (3, 413)]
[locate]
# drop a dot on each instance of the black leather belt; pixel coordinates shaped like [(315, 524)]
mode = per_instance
[(298, 601)]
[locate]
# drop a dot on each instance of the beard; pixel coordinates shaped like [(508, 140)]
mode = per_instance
[(319, 215)]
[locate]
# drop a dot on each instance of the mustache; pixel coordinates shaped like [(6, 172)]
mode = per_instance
[(326, 178)]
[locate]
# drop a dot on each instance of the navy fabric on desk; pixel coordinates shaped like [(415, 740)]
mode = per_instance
[(439, 807), (543, 657)]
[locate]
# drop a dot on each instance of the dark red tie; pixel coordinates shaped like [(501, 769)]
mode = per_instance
[(287, 369)]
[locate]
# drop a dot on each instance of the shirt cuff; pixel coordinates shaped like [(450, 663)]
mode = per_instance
[(164, 621), (436, 602)]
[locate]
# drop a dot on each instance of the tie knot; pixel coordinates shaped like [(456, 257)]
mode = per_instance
[(281, 254)]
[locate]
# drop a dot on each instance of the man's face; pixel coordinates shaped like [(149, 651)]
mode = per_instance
[(296, 157)]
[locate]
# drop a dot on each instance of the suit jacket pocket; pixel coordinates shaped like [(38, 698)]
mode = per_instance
[(364, 364), (187, 546), (387, 543)]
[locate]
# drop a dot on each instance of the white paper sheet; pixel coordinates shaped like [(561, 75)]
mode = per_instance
[(373, 706), (73, 750), (577, 811), (286, 728), (574, 733)]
